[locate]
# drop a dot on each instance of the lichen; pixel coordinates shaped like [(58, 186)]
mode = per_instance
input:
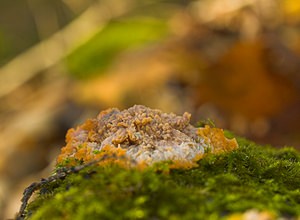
[(222, 186), (144, 135)]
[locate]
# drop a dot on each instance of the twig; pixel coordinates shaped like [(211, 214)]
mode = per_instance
[(60, 175)]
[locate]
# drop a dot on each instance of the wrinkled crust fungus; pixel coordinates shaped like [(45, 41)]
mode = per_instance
[(145, 136)]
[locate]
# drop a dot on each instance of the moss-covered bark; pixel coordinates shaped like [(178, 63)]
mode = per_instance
[(251, 177)]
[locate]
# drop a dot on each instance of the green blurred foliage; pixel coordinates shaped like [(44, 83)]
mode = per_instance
[(98, 53), (21, 20)]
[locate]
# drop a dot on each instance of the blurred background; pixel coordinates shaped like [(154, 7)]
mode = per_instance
[(235, 62)]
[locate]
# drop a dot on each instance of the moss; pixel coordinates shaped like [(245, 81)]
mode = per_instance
[(251, 177)]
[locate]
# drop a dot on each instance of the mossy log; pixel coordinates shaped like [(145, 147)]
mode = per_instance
[(122, 166), (250, 177)]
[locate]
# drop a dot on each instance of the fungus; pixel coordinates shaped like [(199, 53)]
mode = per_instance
[(145, 136)]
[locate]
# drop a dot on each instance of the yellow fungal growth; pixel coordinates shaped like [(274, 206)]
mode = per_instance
[(145, 136), (214, 137)]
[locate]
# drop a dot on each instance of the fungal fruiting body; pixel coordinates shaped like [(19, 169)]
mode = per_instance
[(145, 136)]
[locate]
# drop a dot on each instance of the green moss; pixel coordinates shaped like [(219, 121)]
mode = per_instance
[(253, 176)]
